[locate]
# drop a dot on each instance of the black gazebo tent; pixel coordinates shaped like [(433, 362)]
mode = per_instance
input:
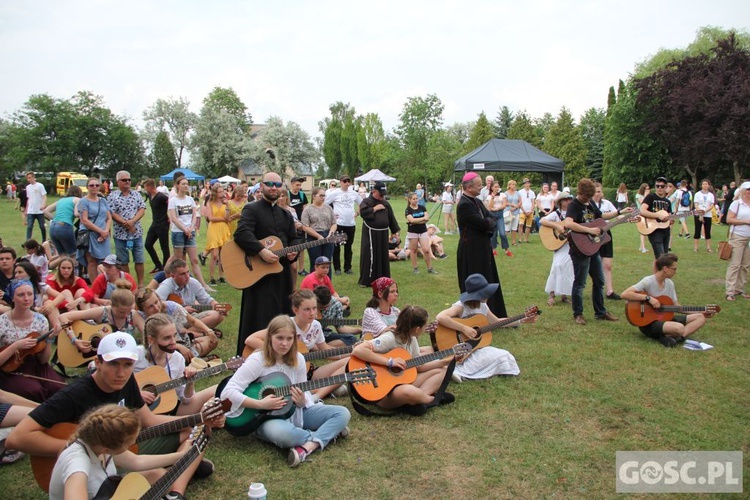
[(508, 155)]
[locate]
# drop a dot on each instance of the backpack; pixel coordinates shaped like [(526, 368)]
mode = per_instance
[(685, 199)]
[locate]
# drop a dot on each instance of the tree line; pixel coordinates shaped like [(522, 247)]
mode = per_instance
[(682, 113)]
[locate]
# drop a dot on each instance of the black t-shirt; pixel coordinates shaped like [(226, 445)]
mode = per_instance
[(4, 282), (581, 213), (298, 202), (70, 403), (656, 203), (159, 204), (417, 213)]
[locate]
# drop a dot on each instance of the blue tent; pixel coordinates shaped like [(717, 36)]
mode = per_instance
[(191, 176)]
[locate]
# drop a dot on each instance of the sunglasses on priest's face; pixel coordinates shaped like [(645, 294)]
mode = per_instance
[(273, 184)]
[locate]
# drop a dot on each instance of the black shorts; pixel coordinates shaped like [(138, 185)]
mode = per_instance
[(656, 329), (607, 250)]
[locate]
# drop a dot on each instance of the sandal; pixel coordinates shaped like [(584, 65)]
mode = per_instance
[(746, 295), (219, 334), (708, 250), (565, 300), (551, 301), (730, 297)]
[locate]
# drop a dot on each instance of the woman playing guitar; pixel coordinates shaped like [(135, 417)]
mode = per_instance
[(660, 284)]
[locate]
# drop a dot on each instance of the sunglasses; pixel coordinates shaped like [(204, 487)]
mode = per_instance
[(660, 186), (272, 184), (123, 180)]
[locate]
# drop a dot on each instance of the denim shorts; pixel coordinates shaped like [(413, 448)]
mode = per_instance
[(179, 240), (123, 256)]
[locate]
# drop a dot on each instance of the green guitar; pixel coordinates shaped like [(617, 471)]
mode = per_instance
[(278, 384)]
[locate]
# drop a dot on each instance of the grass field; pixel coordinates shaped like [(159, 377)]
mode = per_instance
[(583, 394)]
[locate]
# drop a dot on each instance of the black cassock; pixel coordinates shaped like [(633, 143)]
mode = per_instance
[(474, 253), (373, 258), (269, 297)]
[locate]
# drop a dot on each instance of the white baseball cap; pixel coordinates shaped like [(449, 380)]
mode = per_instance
[(118, 345)]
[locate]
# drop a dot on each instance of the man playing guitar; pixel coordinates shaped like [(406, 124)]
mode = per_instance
[(657, 206), (191, 292), (580, 211), (112, 382), (660, 284)]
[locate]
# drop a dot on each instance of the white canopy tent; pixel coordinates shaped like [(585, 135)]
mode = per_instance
[(374, 175), (227, 179)]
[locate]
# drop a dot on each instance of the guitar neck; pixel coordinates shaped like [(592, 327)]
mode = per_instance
[(285, 390), (683, 309), (680, 215), (501, 323), (328, 353), (162, 485), (618, 220), (340, 322), (169, 427), (301, 246), (207, 372), (426, 358)]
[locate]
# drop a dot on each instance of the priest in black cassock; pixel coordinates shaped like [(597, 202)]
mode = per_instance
[(474, 254), (269, 297), (377, 218)]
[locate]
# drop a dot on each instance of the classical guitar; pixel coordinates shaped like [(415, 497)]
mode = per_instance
[(551, 238), (242, 270), (223, 308), (443, 337), (388, 378), (155, 380), (648, 226), (588, 244), (278, 384), (310, 355), (15, 361), (134, 485), (69, 355), (42, 467), (641, 313)]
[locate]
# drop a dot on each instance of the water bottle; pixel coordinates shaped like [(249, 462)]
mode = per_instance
[(257, 491)]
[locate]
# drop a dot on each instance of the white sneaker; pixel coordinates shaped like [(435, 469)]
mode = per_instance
[(456, 378), (341, 391)]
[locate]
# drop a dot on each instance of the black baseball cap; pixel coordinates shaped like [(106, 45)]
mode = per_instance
[(298, 179), (380, 186)]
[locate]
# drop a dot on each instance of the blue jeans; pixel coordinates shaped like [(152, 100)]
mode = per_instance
[(315, 252), (321, 423), (659, 240), (30, 218), (499, 230), (591, 266), (63, 237)]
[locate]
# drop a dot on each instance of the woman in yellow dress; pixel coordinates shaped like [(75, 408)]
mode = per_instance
[(218, 230), (235, 206)]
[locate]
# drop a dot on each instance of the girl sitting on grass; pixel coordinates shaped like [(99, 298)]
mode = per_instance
[(381, 312), (313, 425), (99, 445), (428, 389)]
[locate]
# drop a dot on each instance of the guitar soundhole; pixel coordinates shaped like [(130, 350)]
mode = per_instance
[(395, 370)]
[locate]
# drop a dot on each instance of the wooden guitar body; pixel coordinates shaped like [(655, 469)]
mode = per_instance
[(69, 355), (445, 337), (242, 270), (588, 244), (551, 238), (643, 314), (387, 378), (18, 358), (148, 379)]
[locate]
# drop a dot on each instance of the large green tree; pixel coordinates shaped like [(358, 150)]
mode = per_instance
[(481, 133), (591, 128), (174, 116), (564, 141), (502, 122), (337, 138), (371, 142), (523, 129), (294, 151), (420, 119), (228, 100), (163, 158)]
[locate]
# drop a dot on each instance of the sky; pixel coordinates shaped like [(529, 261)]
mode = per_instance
[(293, 59)]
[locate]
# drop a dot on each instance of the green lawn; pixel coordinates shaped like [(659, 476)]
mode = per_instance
[(583, 394)]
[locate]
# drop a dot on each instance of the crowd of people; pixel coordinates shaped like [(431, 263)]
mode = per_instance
[(172, 319)]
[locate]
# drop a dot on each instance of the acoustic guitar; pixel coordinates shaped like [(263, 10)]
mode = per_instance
[(134, 485), (223, 308), (69, 355), (340, 322), (42, 467), (388, 378), (155, 380), (443, 337), (551, 238), (641, 313), (278, 384), (648, 226), (242, 270), (310, 355), (15, 361), (588, 244)]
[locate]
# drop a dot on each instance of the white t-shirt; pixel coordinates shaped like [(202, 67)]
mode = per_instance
[(388, 342), (163, 189), (35, 194), (185, 208), (545, 201), (678, 199), (527, 200), (313, 336), (343, 205), (742, 211), (605, 206), (704, 202), (79, 458)]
